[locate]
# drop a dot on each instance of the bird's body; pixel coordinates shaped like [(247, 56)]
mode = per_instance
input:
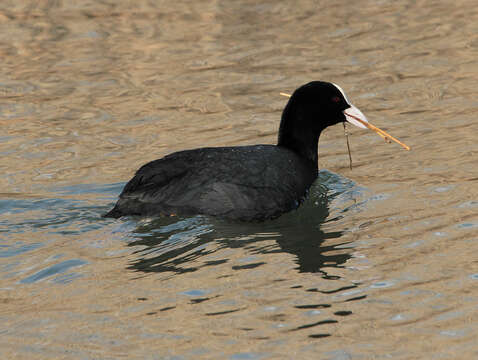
[(243, 182)]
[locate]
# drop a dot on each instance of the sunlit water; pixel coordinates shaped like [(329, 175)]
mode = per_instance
[(378, 262)]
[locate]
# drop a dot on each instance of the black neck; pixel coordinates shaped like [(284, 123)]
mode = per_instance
[(298, 131)]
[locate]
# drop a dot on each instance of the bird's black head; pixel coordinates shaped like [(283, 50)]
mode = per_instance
[(312, 108), (319, 103)]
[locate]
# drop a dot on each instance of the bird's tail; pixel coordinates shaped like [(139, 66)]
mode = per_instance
[(113, 213)]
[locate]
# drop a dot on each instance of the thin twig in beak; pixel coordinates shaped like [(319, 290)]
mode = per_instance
[(379, 131), (348, 145)]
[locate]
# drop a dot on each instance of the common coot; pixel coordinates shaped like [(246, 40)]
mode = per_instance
[(250, 183)]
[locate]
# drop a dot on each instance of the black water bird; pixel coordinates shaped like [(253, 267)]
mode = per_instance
[(249, 183)]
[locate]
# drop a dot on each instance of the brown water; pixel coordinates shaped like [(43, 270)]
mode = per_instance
[(380, 262)]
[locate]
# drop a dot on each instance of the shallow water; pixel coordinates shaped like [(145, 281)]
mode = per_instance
[(379, 262)]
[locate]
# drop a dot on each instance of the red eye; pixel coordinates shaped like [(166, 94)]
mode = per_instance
[(336, 99)]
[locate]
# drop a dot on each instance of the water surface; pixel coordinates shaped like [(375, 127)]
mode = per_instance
[(377, 263)]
